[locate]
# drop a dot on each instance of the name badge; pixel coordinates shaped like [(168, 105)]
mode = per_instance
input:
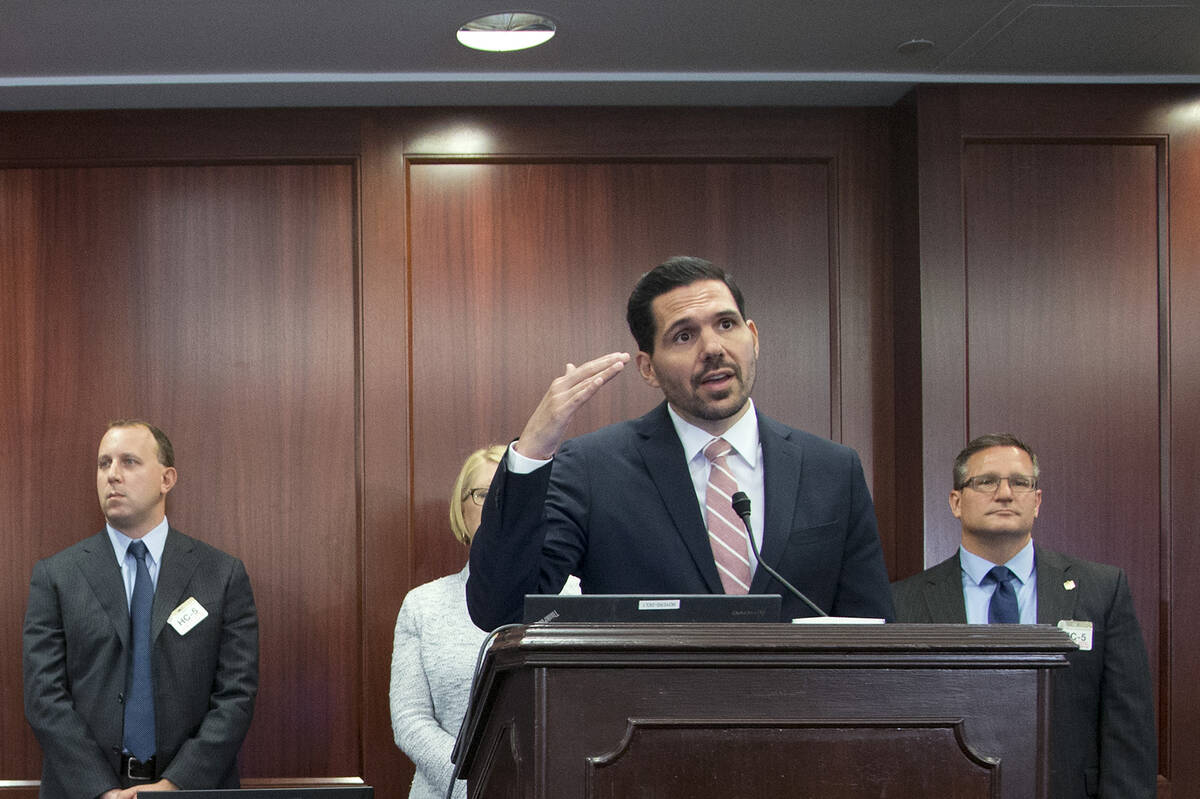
[(187, 615), (1080, 632)]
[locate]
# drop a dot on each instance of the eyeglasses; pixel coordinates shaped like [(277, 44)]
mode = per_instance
[(477, 495), (990, 483)]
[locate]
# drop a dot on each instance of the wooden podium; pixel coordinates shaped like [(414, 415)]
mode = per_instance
[(689, 711)]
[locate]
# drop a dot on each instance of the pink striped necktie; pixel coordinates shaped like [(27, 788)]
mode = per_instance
[(726, 532)]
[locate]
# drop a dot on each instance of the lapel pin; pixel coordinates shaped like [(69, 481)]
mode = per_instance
[(1069, 585)]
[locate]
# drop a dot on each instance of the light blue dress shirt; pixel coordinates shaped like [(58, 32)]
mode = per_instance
[(978, 595), (155, 540)]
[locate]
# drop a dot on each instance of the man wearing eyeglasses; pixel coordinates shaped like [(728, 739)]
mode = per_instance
[(1102, 734)]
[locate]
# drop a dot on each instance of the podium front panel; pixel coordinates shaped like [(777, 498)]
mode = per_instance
[(643, 712)]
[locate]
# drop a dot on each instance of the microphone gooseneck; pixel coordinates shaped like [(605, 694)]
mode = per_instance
[(741, 506)]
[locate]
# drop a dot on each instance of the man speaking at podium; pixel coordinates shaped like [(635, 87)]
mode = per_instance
[(643, 506)]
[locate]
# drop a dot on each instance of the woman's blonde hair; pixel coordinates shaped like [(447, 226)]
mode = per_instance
[(458, 494)]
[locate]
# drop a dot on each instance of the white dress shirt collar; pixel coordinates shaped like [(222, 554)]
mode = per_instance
[(742, 436)]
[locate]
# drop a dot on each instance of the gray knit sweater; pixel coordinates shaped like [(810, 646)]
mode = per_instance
[(433, 661)]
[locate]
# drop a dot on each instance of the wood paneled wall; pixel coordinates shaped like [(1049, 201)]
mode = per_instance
[(496, 317), (218, 301), (523, 236), (328, 309), (1058, 261)]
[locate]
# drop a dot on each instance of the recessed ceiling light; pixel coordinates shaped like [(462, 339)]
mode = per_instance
[(502, 33), (914, 46)]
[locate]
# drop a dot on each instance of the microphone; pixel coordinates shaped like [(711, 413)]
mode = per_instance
[(741, 506)]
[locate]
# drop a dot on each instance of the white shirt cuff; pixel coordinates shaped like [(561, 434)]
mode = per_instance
[(519, 464)]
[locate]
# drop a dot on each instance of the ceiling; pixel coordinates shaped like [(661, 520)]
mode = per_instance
[(58, 54)]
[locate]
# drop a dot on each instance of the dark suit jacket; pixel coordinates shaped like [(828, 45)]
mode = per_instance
[(1103, 740), (76, 652), (618, 508)]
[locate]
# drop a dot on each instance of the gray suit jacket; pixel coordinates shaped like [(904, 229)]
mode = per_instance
[(76, 652), (1103, 740), (617, 507)]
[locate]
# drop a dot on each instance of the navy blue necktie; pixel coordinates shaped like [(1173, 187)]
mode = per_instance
[(139, 694), (1003, 607)]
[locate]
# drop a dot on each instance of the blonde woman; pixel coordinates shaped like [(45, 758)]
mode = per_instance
[(433, 656)]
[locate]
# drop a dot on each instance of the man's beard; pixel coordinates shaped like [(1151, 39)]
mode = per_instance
[(715, 410)]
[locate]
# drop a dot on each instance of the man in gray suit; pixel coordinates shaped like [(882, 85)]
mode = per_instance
[(201, 669), (1102, 734)]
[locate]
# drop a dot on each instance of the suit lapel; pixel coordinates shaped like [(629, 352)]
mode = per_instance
[(101, 571), (663, 455), (782, 459), (174, 574), (1057, 591), (943, 592)]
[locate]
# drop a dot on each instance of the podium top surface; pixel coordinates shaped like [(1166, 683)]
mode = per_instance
[(548, 644)]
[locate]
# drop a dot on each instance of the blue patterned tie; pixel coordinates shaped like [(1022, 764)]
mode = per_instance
[(139, 696), (1003, 607)]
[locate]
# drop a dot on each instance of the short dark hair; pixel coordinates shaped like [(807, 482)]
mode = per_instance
[(987, 442), (681, 270), (166, 452)]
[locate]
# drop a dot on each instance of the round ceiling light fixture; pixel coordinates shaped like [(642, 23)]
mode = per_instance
[(503, 33), (914, 46)]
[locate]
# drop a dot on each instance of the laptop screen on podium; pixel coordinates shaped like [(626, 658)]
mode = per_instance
[(652, 608)]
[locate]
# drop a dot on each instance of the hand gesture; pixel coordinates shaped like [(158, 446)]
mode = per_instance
[(547, 427)]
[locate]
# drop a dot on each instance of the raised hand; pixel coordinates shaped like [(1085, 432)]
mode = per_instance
[(547, 427)]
